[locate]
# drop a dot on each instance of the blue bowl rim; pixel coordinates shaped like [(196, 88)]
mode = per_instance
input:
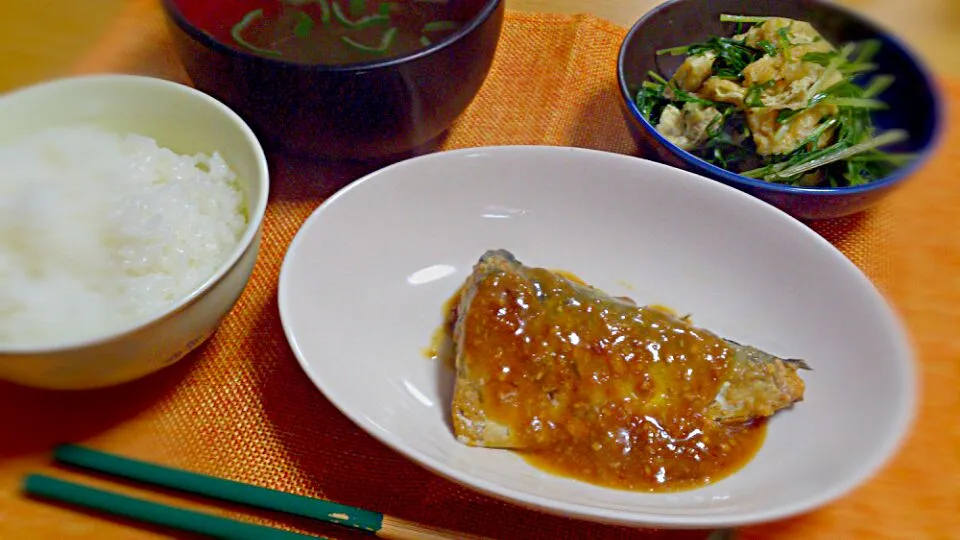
[(173, 11), (726, 176)]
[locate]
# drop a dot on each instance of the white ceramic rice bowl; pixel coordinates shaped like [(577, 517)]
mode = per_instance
[(186, 121)]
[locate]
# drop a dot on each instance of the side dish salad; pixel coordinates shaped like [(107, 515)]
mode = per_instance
[(777, 102)]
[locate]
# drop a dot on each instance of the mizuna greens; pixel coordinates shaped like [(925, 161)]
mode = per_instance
[(776, 102)]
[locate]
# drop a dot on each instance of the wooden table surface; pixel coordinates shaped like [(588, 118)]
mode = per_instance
[(40, 39)]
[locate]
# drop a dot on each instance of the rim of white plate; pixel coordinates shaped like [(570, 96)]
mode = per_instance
[(872, 463)]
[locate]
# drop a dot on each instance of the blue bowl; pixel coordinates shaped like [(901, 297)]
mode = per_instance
[(915, 103)]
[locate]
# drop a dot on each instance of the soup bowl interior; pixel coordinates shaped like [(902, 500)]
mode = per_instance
[(338, 108)]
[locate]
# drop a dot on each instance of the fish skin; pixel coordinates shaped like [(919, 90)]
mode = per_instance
[(765, 383), (761, 375)]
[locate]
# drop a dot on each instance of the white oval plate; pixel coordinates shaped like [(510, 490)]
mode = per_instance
[(363, 283)]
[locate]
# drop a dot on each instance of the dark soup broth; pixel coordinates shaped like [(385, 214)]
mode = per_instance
[(343, 31)]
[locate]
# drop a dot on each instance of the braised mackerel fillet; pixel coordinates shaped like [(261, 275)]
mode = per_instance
[(599, 388)]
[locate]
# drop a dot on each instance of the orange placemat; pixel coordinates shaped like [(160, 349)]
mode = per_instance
[(242, 409)]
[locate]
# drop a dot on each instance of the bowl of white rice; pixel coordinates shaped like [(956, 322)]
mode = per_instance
[(130, 220)]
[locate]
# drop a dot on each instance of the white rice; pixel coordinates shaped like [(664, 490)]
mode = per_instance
[(100, 231)]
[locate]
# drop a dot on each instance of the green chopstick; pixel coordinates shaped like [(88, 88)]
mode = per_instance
[(218, 488), (151, 512), (250, 495)]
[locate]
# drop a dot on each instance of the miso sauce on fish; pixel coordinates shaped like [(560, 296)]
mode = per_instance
[(593, 387)]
